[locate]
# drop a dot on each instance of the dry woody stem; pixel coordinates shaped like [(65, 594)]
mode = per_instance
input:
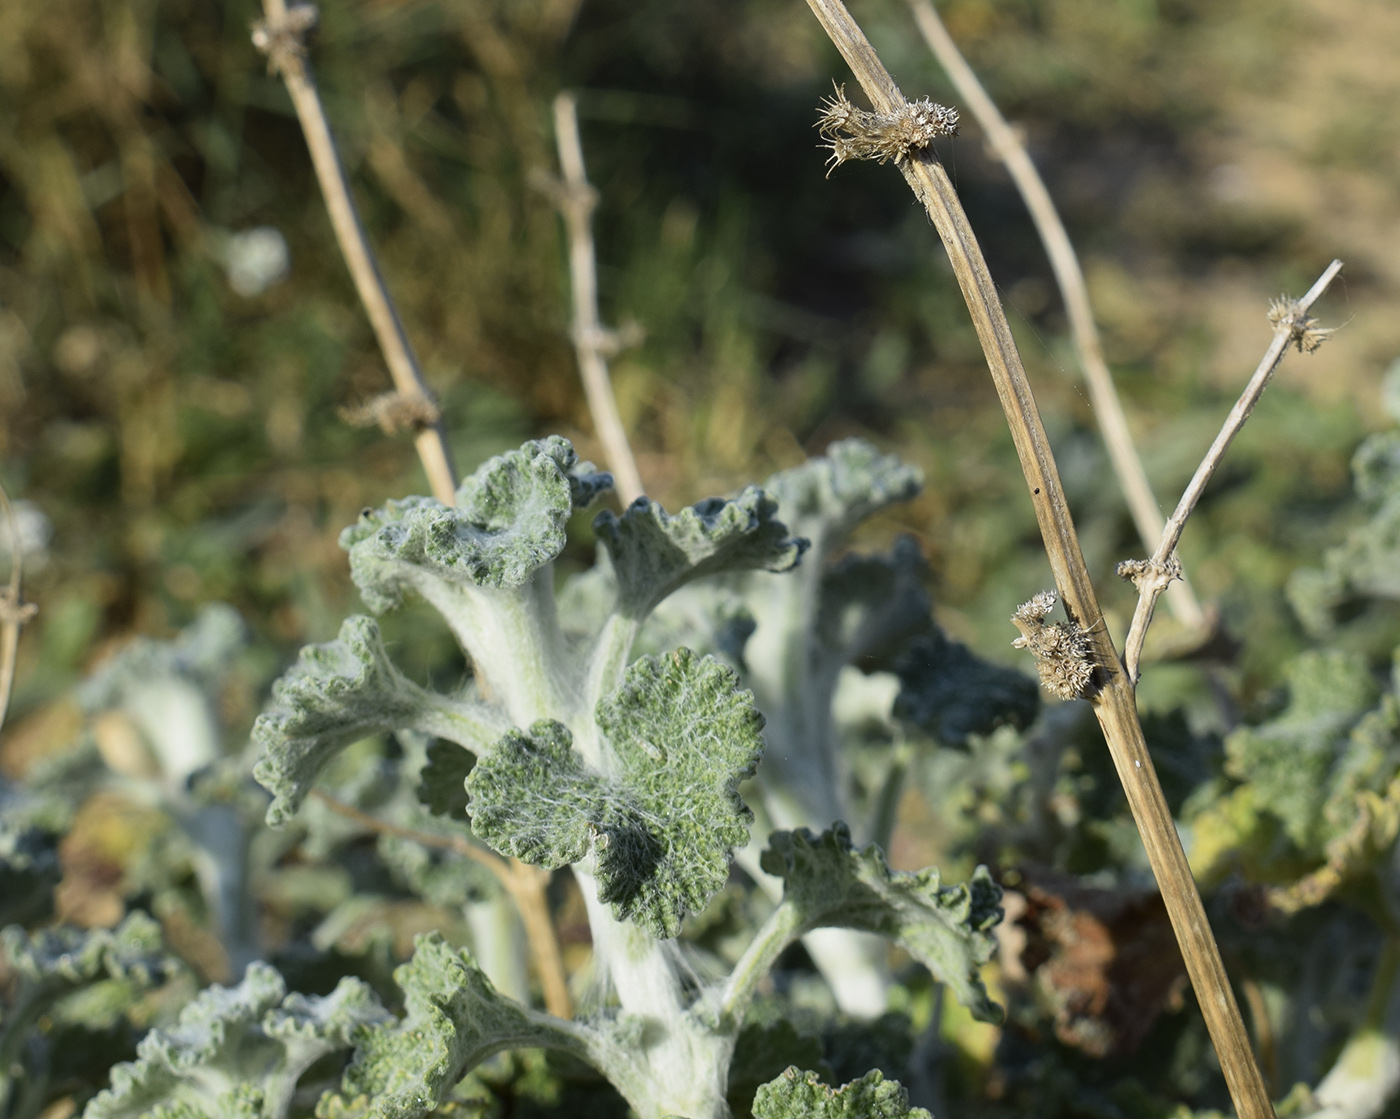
[(1112, 697), (525, 884), (14, 611), (1069, 277), (1293, 326), (281, 36), (593, 343)]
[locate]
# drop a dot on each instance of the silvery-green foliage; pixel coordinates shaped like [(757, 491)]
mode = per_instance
[(659, 823), (337, 694), (237, 1051), (574, 751), (948, 929), (1367, 563), (69, 976), (802, 1095)]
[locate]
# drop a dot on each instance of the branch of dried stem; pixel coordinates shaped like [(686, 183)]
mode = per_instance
[(1113, 698), (14, 611), (1293, 326), (593, 343), (524, 883), (1069, 277), (281, 35)]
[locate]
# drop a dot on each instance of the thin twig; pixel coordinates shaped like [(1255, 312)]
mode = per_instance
[(1292, 327), (14, 612), (525, 884), (281, 36), (593, 343), (1064, 262), (1114, 702)]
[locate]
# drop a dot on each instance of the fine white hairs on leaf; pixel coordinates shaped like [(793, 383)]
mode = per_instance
[(853, 133), (1062, 650)]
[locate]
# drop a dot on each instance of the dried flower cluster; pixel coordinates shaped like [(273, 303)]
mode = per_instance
[(1061, 649), (393, 412), (1302, 327), (853, 133)]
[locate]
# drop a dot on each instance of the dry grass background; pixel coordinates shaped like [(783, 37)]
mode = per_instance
[(183, 439)]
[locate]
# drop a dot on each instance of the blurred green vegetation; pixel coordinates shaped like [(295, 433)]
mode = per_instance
[(183, 438)]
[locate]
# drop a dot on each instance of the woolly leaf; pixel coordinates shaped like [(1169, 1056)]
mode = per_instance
[(336, 694), (201, 653), (442, 782), (951, 693), (453, 1020), (826, 497), (236, 1051), (509, 521), (1289, 761), (1367, 563), (654, 553), (868, 606), (946, 928), (801, 1095), (66, 957), (662, 823)]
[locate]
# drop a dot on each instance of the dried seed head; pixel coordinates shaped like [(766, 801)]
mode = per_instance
[(1144, 572), (1302, 328), (853, 133), (1062, 650)]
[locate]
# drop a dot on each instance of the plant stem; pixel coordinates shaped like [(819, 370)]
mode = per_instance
[(525, 884), (576, 200), (280, 37), (14, 611), (1114, 702), (1290, 329), (1064, 262)]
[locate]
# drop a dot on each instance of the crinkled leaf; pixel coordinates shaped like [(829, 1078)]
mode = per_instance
[(336, 694), (509, 520), (802, 1095), (236, 1050), (869, 606), (654, 553), (951, 693), (66, 957), (442, 782), (1289, 760), (1367, 563), (453, 1020), (762, 1052), (946, 928), (201, 653), (662, 824), (826, 497)]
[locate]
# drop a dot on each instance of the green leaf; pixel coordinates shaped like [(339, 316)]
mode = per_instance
[(336, 694), (654, 553), (201, 653), (442, 782), (1289, 761), (946, 928), (802, 1095), (453, 1020), (236, 1051), (1367, 563), (951, 693), (826, 497), (66, 957), (662, 823), (509, 520)]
